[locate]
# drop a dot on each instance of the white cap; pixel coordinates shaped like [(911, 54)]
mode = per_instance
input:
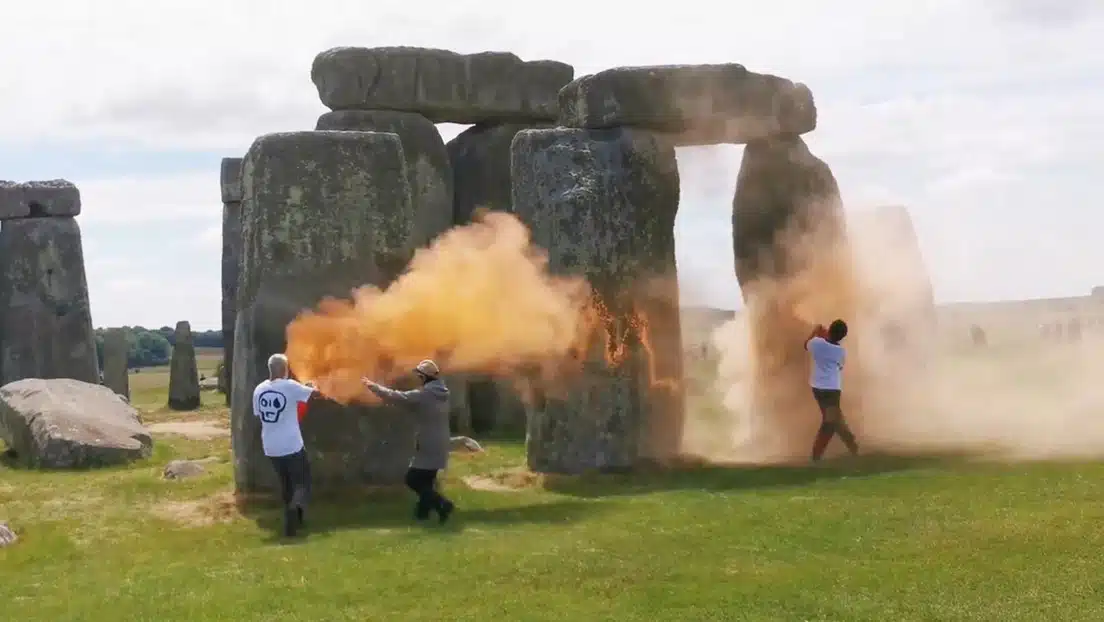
[(428, 368)]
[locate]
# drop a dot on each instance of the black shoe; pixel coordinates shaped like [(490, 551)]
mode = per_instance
[(420, 513), (445, 511)]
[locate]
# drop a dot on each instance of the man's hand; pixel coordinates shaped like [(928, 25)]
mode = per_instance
[(368, 383)]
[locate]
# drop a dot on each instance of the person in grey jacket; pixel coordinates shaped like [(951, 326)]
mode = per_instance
[(430, 406)]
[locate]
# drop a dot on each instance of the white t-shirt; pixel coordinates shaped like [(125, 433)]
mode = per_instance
[(276, 404), (827, 372)]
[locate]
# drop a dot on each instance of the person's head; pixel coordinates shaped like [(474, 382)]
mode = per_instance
[(427, 370), (278, 367), (837, 330)]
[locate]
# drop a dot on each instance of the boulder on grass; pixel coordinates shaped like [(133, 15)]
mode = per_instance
[(63, 423), (7, 536)]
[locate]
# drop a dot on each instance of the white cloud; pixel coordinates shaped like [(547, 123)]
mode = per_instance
[(983, 117)]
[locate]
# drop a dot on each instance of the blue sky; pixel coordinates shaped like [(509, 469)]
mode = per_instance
[(984, 117)]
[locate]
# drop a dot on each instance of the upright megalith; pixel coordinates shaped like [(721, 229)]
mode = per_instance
[(183, 372), (427, 162), (115, 368), (231, 256), (323, 212), (692, 104), (443, 86), (603, 204), (793, 265), (45, 321)]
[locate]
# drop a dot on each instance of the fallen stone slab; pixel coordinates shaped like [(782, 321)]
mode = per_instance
[(695, 104), (444, 86), (54, 197), (63, 423), (184, 469), (465, 443)]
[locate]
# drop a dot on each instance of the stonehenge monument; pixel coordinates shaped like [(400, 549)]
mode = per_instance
[(231, 256), (589, 166), (116, 371), (183, 371), (45, 321)]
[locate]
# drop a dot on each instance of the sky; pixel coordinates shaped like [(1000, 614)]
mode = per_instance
[(981, 116)]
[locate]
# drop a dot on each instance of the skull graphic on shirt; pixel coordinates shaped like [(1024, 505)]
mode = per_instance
[(271, 405)]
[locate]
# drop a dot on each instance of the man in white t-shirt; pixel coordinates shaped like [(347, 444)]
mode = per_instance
[(279, 403), (826, 381)]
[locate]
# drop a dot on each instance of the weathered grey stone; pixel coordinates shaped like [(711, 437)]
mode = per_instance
[(185, 469), (444, 86), (230, 180), (116, 371), (323, 212), (183, 372), (695, 104), (788, 227), (427, 162), (63, 423), (466, 444), (7, 536), (45, 322), (55, 197), (231, 257), (603, 203)]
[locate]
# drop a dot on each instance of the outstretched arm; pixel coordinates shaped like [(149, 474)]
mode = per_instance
[(818, 331), (391, 396)]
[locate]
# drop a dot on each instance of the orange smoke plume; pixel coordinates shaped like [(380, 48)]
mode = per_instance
[(479, 300)]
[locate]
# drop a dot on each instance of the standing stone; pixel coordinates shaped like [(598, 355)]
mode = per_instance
[(231, 257), (116, 371), (603, 204), (692, 104), (792, 262), (183, 372), (45, 322), (443, 86), (427, 162), (37, 199), (480, 158), (323, 213)]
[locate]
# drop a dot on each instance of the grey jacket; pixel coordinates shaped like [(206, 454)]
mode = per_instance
[(430, 406)]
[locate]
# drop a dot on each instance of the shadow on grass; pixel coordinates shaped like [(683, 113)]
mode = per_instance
[(720, 478), (394, 510)]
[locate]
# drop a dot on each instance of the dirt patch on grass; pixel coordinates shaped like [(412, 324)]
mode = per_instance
[(218, 508), (511, 480), (195, 430)]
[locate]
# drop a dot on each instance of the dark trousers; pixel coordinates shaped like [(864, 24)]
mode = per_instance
[(831, 423), (424, 483), (294, 473)]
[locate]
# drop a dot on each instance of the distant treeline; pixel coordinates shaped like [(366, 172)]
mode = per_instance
[(148, 347)]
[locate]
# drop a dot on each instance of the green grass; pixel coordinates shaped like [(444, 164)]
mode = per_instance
[(875, 539)]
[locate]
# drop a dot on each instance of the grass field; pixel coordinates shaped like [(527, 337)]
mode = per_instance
[(878, 539)]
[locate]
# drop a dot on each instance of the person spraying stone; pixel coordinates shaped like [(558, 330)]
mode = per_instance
[(826, 380), (280, 404), (430, 405)]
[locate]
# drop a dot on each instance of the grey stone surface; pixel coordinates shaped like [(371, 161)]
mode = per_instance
[(185, 469), (427, 162), (480, 157), (7, 536), (694, 104), (54, 197), (115, 370), (230, 180), (603, 204), (782, 190), (323, 213), (231, 257), (183, 372), (444, 86), (63, 423), (466, 444), (45, 322)]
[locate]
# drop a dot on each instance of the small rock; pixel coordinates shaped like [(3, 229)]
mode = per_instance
[(182, 469), (7, 536), (465, 443)]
